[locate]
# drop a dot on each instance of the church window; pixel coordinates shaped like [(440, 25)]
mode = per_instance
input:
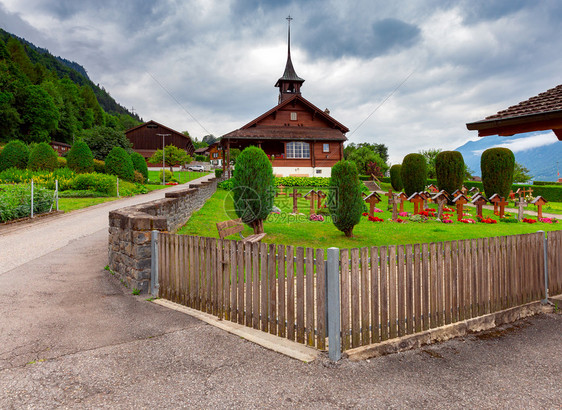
[(298, 149), (293, 116), (326, 148)]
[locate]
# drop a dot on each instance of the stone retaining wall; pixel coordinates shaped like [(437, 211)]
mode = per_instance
[(130, 230)]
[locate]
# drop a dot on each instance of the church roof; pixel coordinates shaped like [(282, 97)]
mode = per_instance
[(289, 74)]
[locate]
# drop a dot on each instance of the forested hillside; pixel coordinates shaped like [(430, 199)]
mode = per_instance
[(45, 98)]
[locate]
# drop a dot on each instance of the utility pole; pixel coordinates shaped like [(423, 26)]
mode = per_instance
[(163, 158)]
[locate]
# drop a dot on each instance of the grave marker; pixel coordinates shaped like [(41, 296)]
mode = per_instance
[(520, 204), (402, 197), (440, 198), (479, 201), (321, 197), (502, 204), (460, 200), (416, 199), (539, 201), (373, 199), (296, 195), (312, 197), (495, 199)]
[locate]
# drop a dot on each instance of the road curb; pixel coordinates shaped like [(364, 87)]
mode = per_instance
[(277, 344)]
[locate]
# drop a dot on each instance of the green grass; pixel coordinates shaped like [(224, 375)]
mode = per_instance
[(71, 204), (181, 176), (299, 231)]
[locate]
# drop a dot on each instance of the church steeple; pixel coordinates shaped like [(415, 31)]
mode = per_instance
[(290, 83)]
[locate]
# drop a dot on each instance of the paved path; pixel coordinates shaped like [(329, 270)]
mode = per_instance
[(71, 336), (21, 243)]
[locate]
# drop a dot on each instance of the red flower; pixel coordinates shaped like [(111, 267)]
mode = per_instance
[(364, 214), (529, 220)]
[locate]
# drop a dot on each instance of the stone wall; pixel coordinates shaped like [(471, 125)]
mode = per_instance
[(130, 230)]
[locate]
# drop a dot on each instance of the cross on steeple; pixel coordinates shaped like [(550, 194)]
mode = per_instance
[(290, 83)]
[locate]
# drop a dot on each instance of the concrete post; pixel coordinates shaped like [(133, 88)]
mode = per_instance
[(333, 304), (32, 197), (57, 193), (154, 286), (545, 256), (117, 187)]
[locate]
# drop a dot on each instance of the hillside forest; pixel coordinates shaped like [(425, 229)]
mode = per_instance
[(44, 98)]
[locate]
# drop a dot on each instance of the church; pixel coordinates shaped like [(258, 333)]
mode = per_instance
[(299, 138)]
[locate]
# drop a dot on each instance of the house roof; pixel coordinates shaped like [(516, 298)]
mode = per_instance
[(538, 113), (160, 125), (253, 130), (201, 150)]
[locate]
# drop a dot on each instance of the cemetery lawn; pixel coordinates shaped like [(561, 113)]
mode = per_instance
[(299, 231)]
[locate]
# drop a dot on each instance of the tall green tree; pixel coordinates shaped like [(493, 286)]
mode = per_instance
[(344, 198), (363, 156), (521, 174), (253, 191), (172, 155), (40, 115), (430, 155), (102, 139), (413, 173)]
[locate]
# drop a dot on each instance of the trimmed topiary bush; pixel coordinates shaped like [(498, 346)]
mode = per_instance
[(139, 164), (344, 198), (395, 177), (43, 157), (253, 191), (449, 168), (413, 173), (80, 158), (497, 166), (14, 154), (118, 162)]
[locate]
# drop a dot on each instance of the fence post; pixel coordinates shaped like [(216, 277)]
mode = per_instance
[(154, 286), (57, 193), (117, 187), (545, 256), (333, 304), (32, 197)]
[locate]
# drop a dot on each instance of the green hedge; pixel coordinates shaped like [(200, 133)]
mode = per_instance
[(449, 168), (103, 183), (118, 162), (546, 183), (497, 166), (80, 158), (396, 177), (413, 173), (139, 163), (302, 181)]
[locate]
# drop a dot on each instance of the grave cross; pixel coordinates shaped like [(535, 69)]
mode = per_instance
[(389, 194), (495, 199), (296, 195), (416, 199), (321, 196), (440, 198), (372, 200), (502, 204), (539, 201), (281, 191), (520, 204), (402, 197), (393, 200), (311, 196), (460, 200), (479, 201)]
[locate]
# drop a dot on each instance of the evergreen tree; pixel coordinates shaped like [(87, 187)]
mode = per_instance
[(118, 162), (14, 154), (79, 158), (253, 189), (43, 157), (139, 164), (413, 173), (344, 198)]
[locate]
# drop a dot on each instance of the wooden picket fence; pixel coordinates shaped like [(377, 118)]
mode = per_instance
[(386, 291)]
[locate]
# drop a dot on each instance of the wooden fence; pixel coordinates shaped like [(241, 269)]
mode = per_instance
[(386, 291)]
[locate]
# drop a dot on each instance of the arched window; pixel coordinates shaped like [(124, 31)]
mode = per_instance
[(298, 149)]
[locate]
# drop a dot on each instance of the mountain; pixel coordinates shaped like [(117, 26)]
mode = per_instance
[(63, 67), (538, 151)]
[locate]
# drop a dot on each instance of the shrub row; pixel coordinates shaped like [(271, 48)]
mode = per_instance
[(302, 181)]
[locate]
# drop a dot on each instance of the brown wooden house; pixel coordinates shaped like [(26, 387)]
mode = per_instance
[(299, 138), (60, 147), (148, 137), (215, 152)]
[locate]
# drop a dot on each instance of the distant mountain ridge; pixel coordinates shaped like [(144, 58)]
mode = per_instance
[(73, 70), (540, 160)]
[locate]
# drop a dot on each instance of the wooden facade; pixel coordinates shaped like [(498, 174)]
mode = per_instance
[(60, 147), (146, 140)]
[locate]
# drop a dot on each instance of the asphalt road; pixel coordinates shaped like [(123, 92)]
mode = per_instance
[(71, 336)]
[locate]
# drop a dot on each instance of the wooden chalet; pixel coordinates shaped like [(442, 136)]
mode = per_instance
[(299, 138), (60, 147), (215, 152), (148, 137)]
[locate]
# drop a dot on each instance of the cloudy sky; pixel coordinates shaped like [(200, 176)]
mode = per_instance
[(209, 66)]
